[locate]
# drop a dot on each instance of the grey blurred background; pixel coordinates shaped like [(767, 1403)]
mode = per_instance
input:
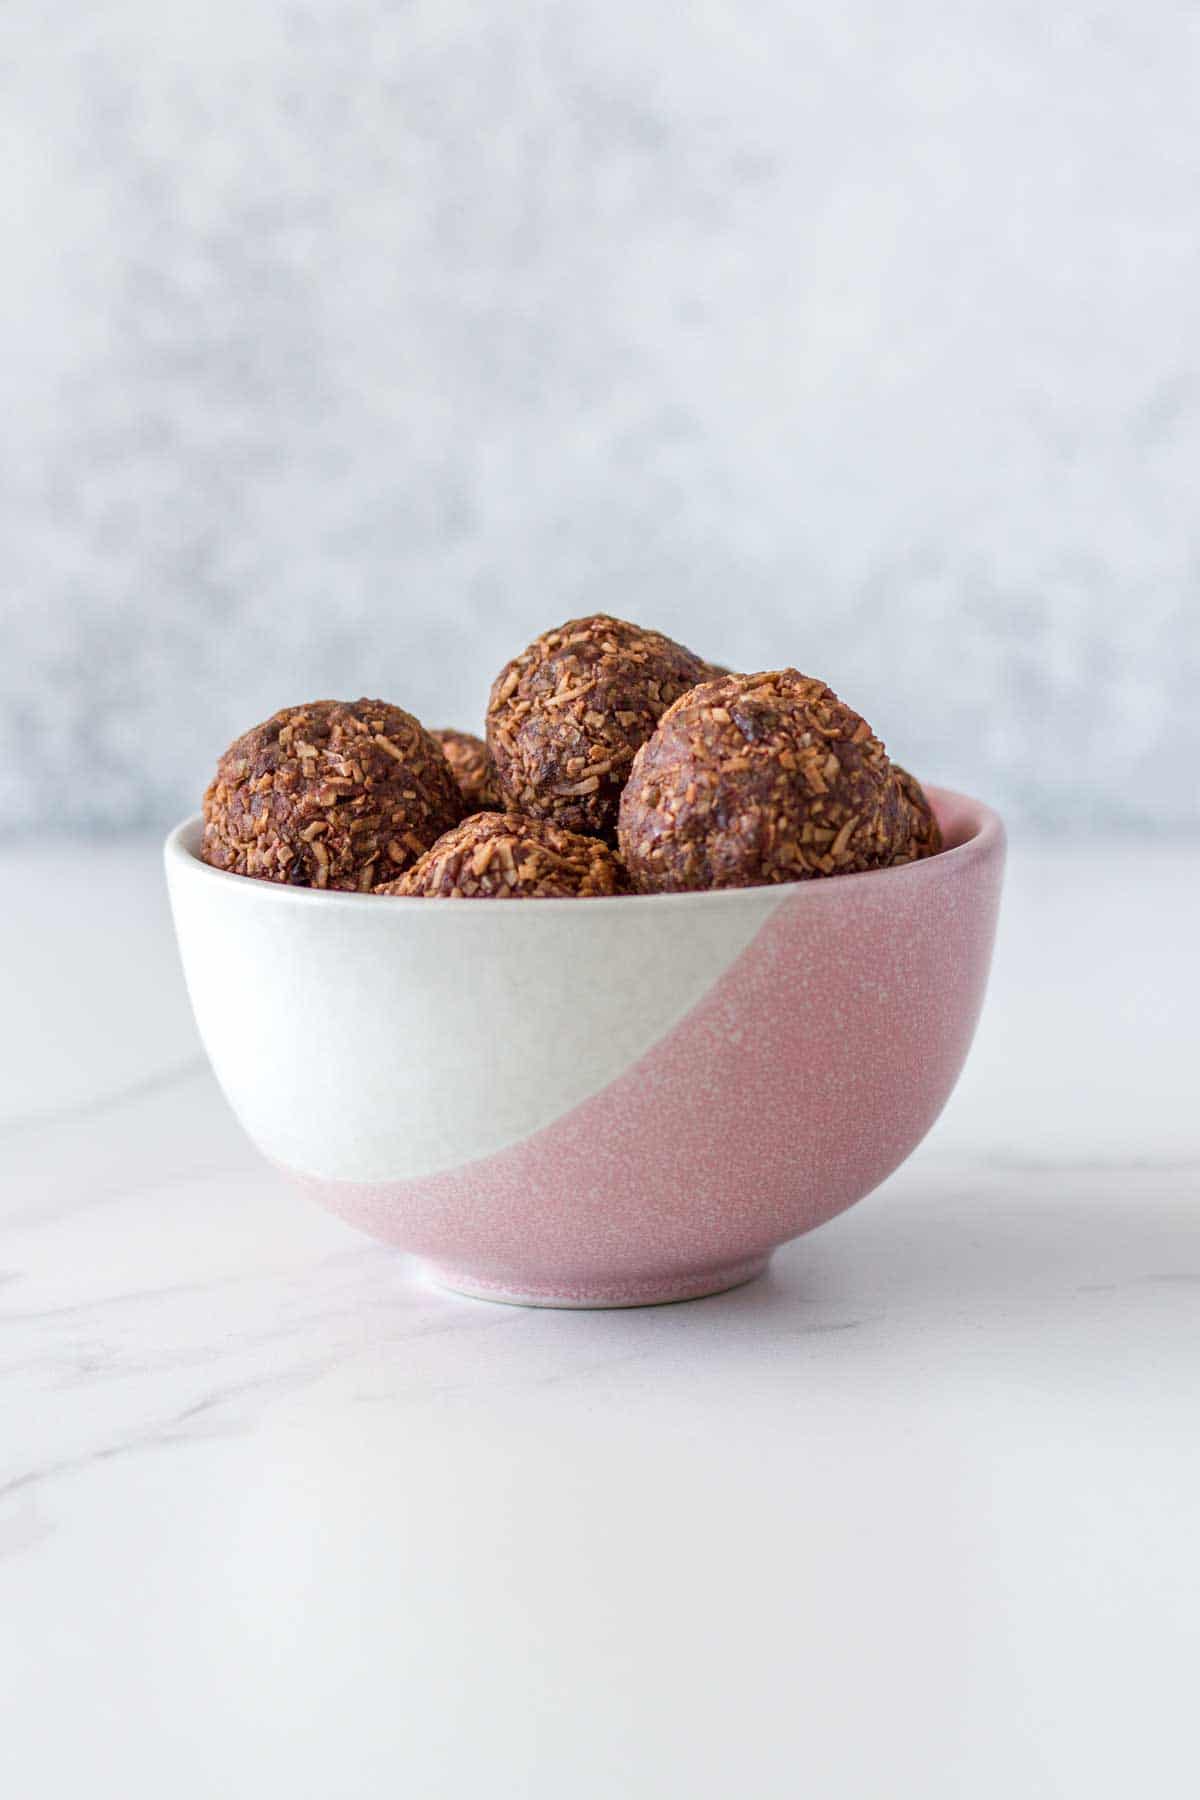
[(347, 346)]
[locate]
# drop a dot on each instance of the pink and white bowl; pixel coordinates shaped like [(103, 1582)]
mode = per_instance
[(601, 1102)]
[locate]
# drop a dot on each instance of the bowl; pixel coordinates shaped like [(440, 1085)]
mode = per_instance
[(607, 1102)]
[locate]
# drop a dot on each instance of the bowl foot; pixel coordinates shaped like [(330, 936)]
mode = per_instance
[(657, 1290)]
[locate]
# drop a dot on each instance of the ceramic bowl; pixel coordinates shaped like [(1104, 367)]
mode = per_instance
[(606, 1102)]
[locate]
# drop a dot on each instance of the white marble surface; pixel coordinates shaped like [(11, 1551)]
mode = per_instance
[(914, 1515)]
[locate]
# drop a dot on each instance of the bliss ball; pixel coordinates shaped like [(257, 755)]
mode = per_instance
[(755, 779), (472, 765), (335, 794), (567, 716), (503, 856), (924, 834)]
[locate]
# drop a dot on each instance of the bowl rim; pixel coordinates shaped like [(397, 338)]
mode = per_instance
[(986, 837)]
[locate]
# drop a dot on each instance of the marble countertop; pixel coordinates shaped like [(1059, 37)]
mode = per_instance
[(916, 1514)]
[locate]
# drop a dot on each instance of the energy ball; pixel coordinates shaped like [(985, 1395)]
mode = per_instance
[(567, 716), (472, 765), (923, 834), (503, 856), (755, 779), (335, 794)]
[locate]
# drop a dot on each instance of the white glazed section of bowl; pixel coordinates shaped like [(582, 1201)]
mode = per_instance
[(361, 1038)]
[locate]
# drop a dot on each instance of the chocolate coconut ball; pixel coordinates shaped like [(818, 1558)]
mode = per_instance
[(567, 716), (336, 794), (754, 779), (472, 765), (923, 833), (503, 856)]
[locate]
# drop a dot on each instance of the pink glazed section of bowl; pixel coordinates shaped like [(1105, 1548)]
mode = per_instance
[(805, 1076)]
